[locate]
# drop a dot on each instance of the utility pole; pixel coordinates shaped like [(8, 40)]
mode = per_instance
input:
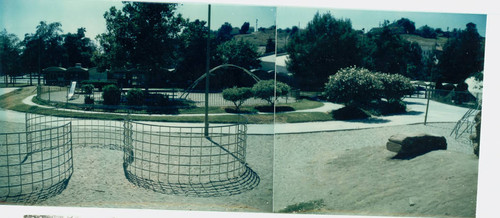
[(207, 73), (256, 25)]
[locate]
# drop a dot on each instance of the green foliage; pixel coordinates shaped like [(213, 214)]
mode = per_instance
[(10, 51), (349, 113), (265, 89), (192, 51), (462, 56), (244, 28), (408, 25), (88, 100), (476, 137), (270, 45), (304, 207), (237, 52), (135, 97), (87, 88), (47, 40), (237, 95), (111, 95), (224, 32), (353, 86), (140, 35), (393, 107), (392, 54), (324, 46), (427, 32), (78, 49), (395, 86)]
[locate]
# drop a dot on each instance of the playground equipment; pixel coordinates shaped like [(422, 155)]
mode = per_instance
[(71, 91), (211, 73), (38, 163), (35, 164)]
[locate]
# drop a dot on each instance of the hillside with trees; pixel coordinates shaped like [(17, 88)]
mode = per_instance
[(422, 53)]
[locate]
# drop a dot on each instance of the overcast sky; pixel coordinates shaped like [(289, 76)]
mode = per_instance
[(22, 16)]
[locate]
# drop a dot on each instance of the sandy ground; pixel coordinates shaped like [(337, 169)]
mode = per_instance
[(98, 181), (353, 173)]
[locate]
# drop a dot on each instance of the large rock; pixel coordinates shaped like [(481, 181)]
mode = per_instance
[(415, 144)]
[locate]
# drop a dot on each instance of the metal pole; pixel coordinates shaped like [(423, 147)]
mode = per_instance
[(427, 105), (207, 76)]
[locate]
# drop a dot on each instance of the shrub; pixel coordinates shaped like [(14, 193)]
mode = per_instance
[(135, 97), (88, 100), (353, 86), (265, 89), (349, 113), (395, 86), (88, 88), (394, 107), (157, 100), (462, 87), (477, 135), (111, 95), (237, 95)]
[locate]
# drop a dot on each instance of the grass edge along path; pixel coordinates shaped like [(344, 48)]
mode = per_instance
[(13, 101)]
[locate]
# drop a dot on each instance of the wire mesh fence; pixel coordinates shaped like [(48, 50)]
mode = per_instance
[(165, 158), (35, 164), (181, 160)]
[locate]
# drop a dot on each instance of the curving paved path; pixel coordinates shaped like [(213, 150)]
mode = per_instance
[(438, 112)]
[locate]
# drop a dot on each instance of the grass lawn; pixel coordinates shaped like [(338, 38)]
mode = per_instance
[(13, 101)]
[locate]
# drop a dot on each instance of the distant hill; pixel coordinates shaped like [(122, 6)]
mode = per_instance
[(426, 44)]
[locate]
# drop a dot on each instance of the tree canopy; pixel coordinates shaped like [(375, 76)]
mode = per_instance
[(142, 36), (462, 56), (10, 51), (322, 48)]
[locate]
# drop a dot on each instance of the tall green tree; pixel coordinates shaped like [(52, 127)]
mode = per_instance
[(141, 35), (325, 46), (9, 55), (244, 28), (78, 49), (394, 55), (237, 52), (192, 54), (224, 33), (462, 56), (43, 48)]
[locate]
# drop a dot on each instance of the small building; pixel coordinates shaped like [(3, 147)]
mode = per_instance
[(76, 73), (54, 75)]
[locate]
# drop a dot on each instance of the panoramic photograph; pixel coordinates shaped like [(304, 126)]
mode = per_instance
[(273, 109)]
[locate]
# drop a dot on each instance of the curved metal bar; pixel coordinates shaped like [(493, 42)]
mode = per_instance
[(195, 83)]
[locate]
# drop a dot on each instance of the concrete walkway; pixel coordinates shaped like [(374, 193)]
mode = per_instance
[(438, 112)]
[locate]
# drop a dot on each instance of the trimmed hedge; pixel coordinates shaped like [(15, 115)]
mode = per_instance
[(237, 95), (135, 97), (111, 95)]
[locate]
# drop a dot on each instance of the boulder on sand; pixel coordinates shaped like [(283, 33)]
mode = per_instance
[(416, 144)]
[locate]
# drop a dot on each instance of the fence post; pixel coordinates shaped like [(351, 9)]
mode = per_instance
[(426, 106)]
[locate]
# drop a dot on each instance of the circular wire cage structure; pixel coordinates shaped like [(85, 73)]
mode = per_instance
[(180, 160), (183, 161), (36, 164)]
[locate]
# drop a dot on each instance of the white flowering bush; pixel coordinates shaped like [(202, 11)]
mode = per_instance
[(353, 86)]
